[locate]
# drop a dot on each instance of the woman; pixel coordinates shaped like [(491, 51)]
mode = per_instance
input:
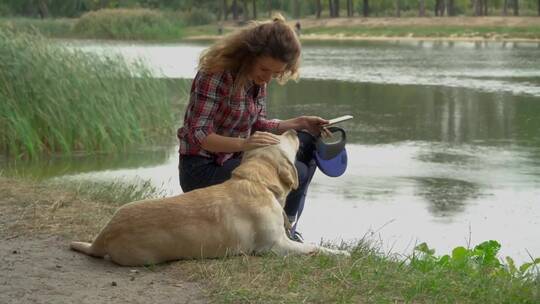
[(226, 114)]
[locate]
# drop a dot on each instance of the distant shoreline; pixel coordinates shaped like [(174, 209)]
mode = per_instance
[(459, 28), (321, 37)]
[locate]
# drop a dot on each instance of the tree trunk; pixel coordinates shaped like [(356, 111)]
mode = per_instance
[(350, 9), (225, 9), (505, 8), (319, 8), (245, 11), (103, 3), (254, 2), (421, 8), (296, 9), (269, 6), (451, 9), (538, 7), (516, 8), (398, 9), (331, 8), (235, 10), (336, 8), (43, 9), (442, 7), (485, 2), (365, 8)]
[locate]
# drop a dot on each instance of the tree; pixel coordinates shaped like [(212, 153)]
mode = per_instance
[(43, 10), (365, 8), (450, 8), (398, 8), (350, 9), (439, 8), (516, 8), (476, 7), (318, 9), (336, 8), (296, 9), (235, 10), (225, 10), (245, 12), (421, 8), (254, 5)]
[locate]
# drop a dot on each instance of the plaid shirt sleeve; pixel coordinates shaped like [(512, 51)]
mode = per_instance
[(207, 92), (263, 123)]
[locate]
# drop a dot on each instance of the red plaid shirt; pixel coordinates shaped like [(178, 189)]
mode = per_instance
[(214, 108)]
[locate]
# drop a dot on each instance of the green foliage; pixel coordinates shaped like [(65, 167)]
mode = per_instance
[(142, 24), (198, 17), (54, 99), (480, 260), (370, 276), (75, 8)]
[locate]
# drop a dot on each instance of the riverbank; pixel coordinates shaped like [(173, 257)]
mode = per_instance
[(39, 220), (409, 28), (464, 28)]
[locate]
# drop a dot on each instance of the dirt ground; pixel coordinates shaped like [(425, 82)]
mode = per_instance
[(37, 266), (44, 270)]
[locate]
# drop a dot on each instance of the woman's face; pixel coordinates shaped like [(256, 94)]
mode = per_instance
[(265, 68)]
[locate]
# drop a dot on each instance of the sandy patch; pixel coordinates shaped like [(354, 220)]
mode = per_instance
[(37, 223)]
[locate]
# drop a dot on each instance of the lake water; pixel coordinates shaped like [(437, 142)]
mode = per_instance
[(444, 147)]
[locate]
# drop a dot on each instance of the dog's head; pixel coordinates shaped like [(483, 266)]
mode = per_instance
[(280, 158)]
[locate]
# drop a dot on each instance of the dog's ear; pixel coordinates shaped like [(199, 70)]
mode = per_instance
[(288, 175)]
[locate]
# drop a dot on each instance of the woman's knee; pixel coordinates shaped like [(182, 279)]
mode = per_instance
[(305, 172)]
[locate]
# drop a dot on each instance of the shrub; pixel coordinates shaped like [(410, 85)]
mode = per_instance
[(198, 17), (144, 24)]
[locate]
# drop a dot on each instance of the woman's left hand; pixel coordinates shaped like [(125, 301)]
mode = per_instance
[(313, 124)]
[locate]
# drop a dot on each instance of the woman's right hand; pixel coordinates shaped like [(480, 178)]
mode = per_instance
[(259, 139)]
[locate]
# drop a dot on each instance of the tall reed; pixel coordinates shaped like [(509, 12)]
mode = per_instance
[(58, 28), (53, 99)]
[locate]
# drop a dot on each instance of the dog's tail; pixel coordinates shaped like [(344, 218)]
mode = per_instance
[(87, 248)]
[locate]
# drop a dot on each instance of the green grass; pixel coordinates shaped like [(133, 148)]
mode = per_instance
[(369, 276), (115, 193), (532, 32), (59, 100), (466, 275)]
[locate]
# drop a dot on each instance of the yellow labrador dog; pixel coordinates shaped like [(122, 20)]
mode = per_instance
[(241, 215)]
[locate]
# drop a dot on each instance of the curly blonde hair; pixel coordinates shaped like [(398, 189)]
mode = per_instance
[(237, 52)]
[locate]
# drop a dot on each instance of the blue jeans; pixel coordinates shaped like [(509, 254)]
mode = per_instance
[(199, 172)]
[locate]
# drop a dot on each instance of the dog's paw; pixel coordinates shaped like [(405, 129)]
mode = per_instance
[(334, 252), (343, 253)]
